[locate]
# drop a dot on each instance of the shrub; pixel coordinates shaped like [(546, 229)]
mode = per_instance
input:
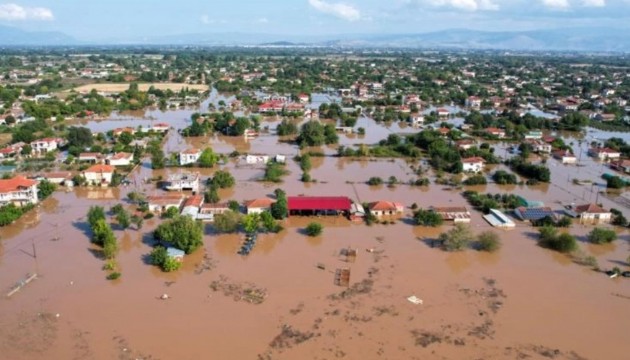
[(314, 229), (549, 238), (427, 218), (456, 239), (375, 180), (488, 241), (113, 276), (476, 180), (274, 172), (602, 236), (503, 177)]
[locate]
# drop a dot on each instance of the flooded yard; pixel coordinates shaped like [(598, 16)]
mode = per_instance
[(520, 302)]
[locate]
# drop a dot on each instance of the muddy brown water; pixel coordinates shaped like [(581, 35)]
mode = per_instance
[(521, 301)]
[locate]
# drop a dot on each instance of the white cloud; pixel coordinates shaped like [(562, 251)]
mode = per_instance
[(468, 5), (13, 12), (205, 19), (339, 10), (262, 21), (556, 4), (594, 3)]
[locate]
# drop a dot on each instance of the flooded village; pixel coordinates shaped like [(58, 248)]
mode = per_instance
[(429, 205)]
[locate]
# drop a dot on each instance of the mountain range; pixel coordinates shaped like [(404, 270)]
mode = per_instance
[(568, 39)]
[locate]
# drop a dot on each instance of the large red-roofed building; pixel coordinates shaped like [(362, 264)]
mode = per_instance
[(318, 205)]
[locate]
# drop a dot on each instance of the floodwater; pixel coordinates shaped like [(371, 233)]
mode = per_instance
[(523, 301)]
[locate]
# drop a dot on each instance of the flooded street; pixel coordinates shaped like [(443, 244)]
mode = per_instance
[(520, 302)]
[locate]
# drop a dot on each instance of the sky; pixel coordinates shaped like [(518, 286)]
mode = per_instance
[(93, 20)]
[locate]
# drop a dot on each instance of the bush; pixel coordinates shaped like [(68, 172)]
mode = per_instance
[(274, 172), (427, 218), (306, 177), (170, 213), (550, 239), (375, 180), (488, 241), (456, 239), (182, 232), (159, 257), (602, 236), (581, 258), (227, 222), (615, 182), (314, 229), (45, 188), (476, 180), (502, 177), (223, 179), (113, 276)]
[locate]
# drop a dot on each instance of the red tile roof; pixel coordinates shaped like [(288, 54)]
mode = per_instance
[(590, 208), (385, 206), (472, 160), (341, 203), (101, 168), (16, 183), (259, 203)]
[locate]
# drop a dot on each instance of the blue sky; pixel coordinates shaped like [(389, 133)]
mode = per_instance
[(104, 19)]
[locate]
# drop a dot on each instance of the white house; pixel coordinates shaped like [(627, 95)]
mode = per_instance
[(565, 156), (473, 102), (473, 164), (189, 156), (45, 145), (257, 206), (500, 133), (161, 203), (383, 208), (417, 120), (179, 182), (256, 159), (18, 191), (119, 159), (590, 214), (99, 174), (604, 154)]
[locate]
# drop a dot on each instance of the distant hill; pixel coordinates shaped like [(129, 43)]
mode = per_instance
[(570, 39), (10, 36)]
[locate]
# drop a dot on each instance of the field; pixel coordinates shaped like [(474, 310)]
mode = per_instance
[(111, 87)]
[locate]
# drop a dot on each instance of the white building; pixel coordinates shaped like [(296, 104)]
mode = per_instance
[(473, 164), (604, 154), (473, 102), (119, 159), (19, 191), (189, 156), (99, 174), (179, 182), (257, 206), (45, 145)]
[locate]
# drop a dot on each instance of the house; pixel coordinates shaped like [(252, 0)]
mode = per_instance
[(100, 174), (179, 182), (280, 159), (303, 98), (498, 219), (59, 177), (533, 213), (192, 205), (565, 156), (540, 146), (492, 131), (444, 131), (589, 214), (620, 165), (45, 145), (465, 144), (160, 127), (534, 134), (19, 191), (177, 254), (139, 143), (319, 205), (119, 159), (256, 159), (118, 131), (357, 212), (417, 120), (473, 164), (604, 154), (91, 157), (442, 113), (473, 102), (271, 107), (382, 208), (258, 206), (456, 214), (189, 156), (11, 150), (161, 203)]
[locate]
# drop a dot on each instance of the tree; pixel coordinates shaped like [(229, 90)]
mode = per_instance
[(615, 182), (234, 205), (208, 158), (311, 134), (123, 219), (314, 229), (549, 238), (227, 222), (94, 214), (170, 213), (26, 150), (280, 209), (158, 159), (110, 246), (250, 222), (80, 137), (45, 188), (223, 179), (427, 218), (138, 221), (305, 162), (125, 138), (374, 180), (457, 238), (212, 195), (159, 257), (268, 223), (182, 232), (602, 236), (274, 172), (286, 128), (488, 241)]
